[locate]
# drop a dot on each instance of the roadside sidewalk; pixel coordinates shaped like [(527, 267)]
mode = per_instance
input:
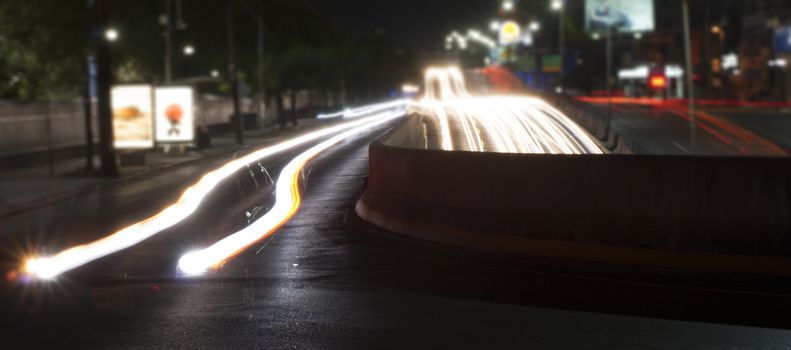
[(23, 189)]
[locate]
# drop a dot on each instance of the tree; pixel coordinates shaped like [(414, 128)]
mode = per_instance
[(44, 46)]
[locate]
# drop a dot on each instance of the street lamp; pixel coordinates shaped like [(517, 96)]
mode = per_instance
[(557, 6), (215, 73), (535, 26), (189, 50), (508, 5), (494, 25), (166, 20), (111, 34)]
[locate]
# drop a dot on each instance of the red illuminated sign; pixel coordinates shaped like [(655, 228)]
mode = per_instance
[(657, 82)]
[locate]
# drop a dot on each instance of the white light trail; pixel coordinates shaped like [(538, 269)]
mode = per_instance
[(366, 110), (49, 267), (510, 124), (287, 203), (472, 35)]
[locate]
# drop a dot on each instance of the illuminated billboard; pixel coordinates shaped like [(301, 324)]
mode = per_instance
[(133, 125), (510, 33), (174, 114), (625, 16)]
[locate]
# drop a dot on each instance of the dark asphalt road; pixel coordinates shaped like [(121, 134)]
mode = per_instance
[(664, 129), (327, 282), (773, 124)]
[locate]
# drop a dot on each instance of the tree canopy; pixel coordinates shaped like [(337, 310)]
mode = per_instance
[(44, 46)]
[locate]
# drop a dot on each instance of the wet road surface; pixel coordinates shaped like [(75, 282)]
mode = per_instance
[(325, 280)]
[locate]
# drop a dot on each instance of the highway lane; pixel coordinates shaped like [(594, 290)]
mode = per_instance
[(663, 128), (773, 124), (456, 120), (323, 281)]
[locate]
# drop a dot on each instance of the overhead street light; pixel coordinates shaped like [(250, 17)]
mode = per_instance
[(111, 34), (535, 26), (508, 5), (494, 26), (189, 50), (556, 5)]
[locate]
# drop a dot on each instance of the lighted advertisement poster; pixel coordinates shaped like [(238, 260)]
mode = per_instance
[(132, 116), (174, 115), (625, 16)]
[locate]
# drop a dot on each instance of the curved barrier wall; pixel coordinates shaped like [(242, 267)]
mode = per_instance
[(570, 205)]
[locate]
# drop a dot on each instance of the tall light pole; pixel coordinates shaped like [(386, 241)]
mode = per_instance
[(260, 100), (688, 75), (104, 74), (608, 72), (168, 40), (557, 5), (261, 105), (236, 119), (166, 20)]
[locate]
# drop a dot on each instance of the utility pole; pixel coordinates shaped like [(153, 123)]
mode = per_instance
[(166, 19), (236, 119), (261, 106), (608, 71), (88, 108), (688, 75), (103, 82), (168, 41), (560, 6)]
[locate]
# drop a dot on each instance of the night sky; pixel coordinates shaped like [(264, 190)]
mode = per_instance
[(421, 24)]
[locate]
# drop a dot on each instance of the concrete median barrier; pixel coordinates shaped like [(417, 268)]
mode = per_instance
[(723, 214)]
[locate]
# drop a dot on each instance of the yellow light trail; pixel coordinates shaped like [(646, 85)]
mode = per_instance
[(287, 203), (49, 267)]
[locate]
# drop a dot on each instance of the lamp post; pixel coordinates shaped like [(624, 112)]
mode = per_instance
[(260, 104), (558, 6), (104, 74), (165, 20), (689, 73), (237, 118)]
